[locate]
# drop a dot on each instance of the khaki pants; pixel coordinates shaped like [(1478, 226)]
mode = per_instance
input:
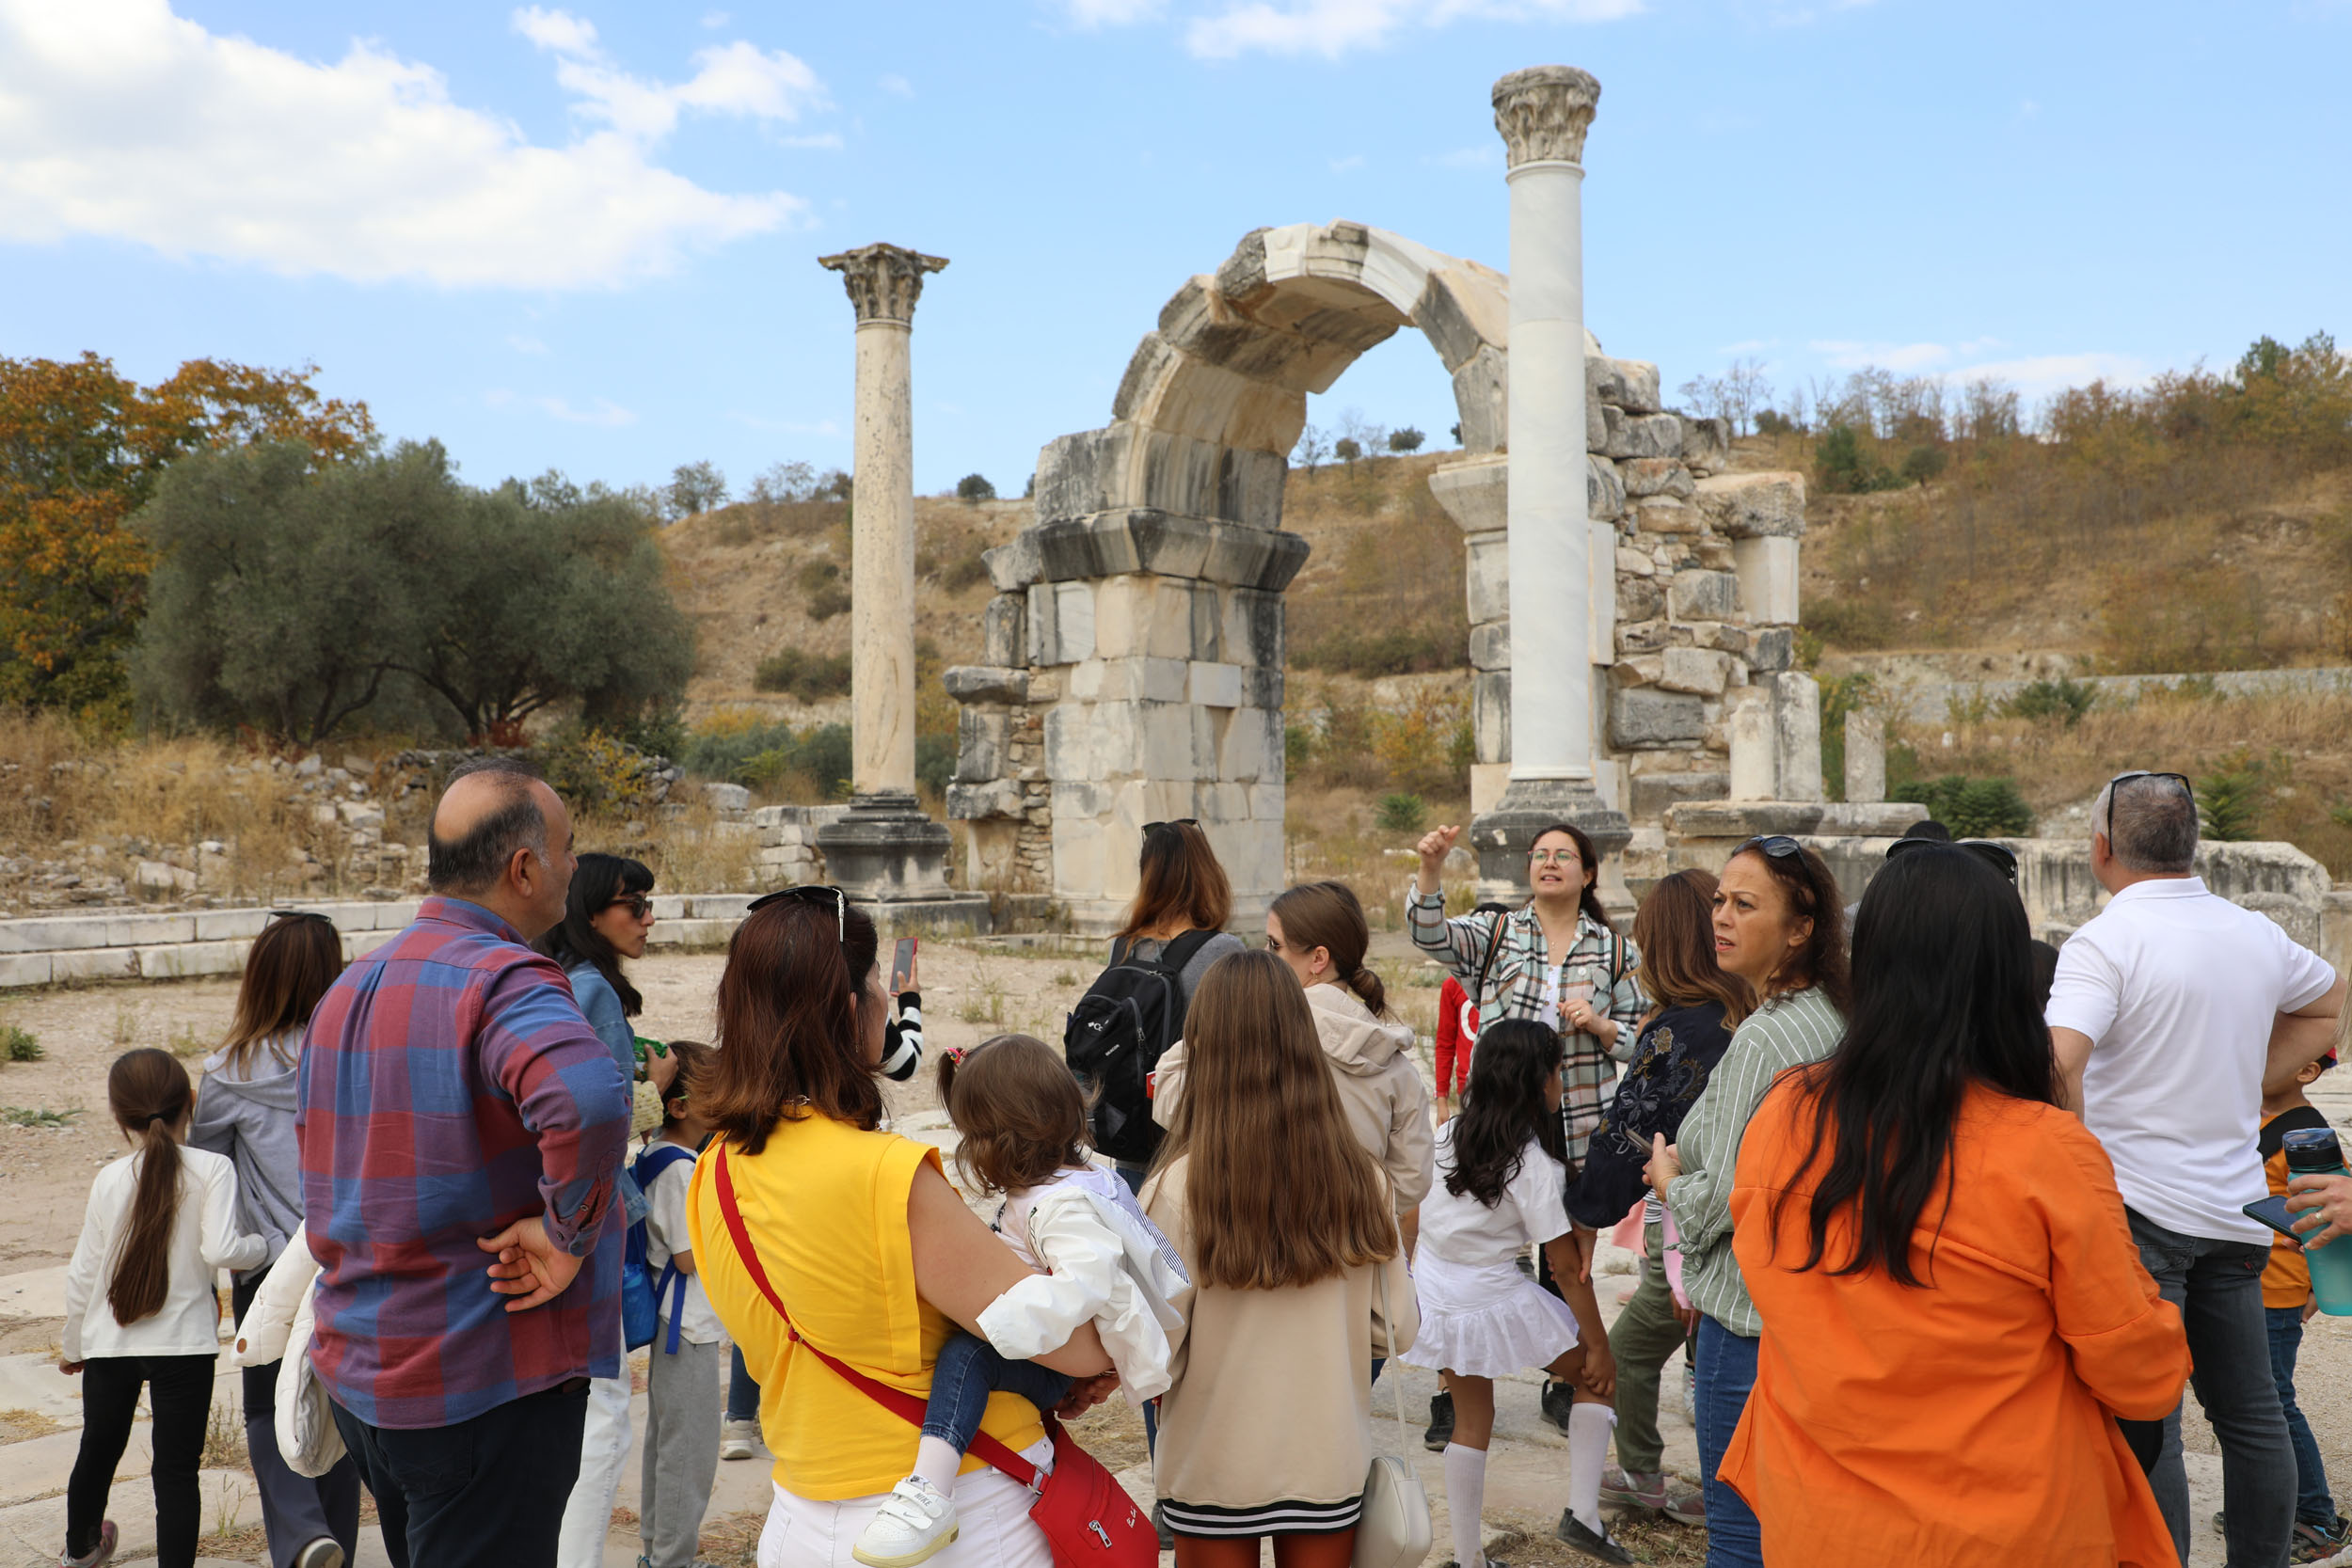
[(1644, 1339)]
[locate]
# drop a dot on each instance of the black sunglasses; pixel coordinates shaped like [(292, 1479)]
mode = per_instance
[(1150, 827), (816, 894), (277, 915), (636, 903), (2122, 779), (1779, 846)]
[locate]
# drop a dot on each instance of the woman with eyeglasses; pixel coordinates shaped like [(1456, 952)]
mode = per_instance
[(607, 916), (831, 1249), (1780, 924), (245, 1109), (1954, 1310)]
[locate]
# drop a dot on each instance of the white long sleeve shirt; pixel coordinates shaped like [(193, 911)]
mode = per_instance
[(204, 1238)]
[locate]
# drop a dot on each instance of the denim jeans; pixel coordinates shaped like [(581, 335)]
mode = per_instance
[(1727, 1371), (2217, 1287), (487, 1493), (2314, 1504), (967, 1370), (742, 1392)]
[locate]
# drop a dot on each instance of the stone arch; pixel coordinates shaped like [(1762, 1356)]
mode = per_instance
[(1215, 395)]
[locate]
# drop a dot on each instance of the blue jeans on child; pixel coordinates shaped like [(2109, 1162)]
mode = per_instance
[(1727, 1373), (742, 1392), (967, 1370), (2314, 1503)]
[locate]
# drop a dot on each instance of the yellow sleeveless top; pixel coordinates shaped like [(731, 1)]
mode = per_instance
[(826, 1206)]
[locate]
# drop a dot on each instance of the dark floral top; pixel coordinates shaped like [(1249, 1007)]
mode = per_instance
[(1671, 1060)]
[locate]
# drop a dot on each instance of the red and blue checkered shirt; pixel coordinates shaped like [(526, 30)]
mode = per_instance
[(450, 1088)]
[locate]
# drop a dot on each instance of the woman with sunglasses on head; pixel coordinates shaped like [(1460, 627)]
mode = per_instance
[(607, 916), (245, 1109), (800, 1181), (1780, 926)]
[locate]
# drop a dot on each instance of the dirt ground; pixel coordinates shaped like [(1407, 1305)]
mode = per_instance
[(970, 990)]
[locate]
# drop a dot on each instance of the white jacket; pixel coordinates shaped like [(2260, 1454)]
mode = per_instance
[(1110, 1266), (278, 1326)]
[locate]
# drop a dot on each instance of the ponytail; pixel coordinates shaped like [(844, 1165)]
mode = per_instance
[(148, 1091), (1327, 915), (1369, 990)]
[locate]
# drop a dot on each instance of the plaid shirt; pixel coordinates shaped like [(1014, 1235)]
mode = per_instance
[(450, 1088), (1514, 989)]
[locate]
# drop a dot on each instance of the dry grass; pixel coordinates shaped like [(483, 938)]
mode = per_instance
[(223, 1441), (1332, 834), (19, 1426), (732, 1540), (2299, 738)]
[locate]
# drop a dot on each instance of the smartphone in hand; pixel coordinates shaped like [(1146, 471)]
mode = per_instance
[(2273, 1212), (902, 967)]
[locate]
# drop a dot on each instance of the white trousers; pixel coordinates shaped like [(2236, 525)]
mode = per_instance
[(603, 1451), (992, 1514)]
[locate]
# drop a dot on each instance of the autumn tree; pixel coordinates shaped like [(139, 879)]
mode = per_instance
[(81, 448)]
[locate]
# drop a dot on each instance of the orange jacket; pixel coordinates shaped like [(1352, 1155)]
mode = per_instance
[(1966, 1420)]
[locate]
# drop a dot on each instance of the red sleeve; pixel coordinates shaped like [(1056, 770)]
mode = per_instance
[(1450, 1035)]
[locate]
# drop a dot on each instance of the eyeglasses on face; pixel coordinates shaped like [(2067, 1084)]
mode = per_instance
[(1554, 857), (639, 905), (2118, 782), (816, 894)]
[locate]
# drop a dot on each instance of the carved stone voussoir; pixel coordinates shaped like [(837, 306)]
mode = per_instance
[(883, 280), (1543, 113)]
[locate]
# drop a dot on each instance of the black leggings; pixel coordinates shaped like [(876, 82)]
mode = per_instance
[(181, 1397)]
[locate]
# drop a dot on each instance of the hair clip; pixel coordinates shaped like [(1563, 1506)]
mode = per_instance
[(956, 1053)]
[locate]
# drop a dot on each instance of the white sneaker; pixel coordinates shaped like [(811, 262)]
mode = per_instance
[(739, 1439), (916, 1519)]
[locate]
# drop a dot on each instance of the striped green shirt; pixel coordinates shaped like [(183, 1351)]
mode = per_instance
[(1787, 1032)]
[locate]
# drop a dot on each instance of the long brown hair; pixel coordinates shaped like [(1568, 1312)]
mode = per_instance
[(148, 1093), (1278, 1190), (289, 968), (1588, 901), (1806, 882), (1021, 1112), (790, 1040), (1181, 879), (1328, 915), (1675, 931), (692, 1081)]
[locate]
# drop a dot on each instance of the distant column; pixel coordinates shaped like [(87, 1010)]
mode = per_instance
[(885, 281)]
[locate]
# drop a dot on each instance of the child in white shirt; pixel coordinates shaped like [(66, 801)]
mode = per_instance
[(689, 1353), (1024, 1121), (140, 1307)]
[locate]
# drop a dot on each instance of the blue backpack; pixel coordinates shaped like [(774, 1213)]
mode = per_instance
[(642, 1292)]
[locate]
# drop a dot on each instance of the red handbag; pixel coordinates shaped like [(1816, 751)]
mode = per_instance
[(1088, 1517)]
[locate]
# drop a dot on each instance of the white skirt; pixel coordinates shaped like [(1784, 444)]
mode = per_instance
[(1485, 1320)]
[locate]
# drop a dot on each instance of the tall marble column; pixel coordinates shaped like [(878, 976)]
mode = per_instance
[(885, 849), (1542, 115)]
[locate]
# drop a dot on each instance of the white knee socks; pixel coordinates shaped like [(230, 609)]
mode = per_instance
[(1589, 1426), (937, 1462), (1465, 1498)]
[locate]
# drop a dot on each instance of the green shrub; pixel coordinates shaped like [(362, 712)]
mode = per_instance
[(1922, 463), (1972, 808), (1771, 421), (1857, 623), (1393, 651), (763, 756), (974, 488), (804, 675), (2064, 700), (935, 761), (1846, 467), (966, 570), (2232, 801), (19, 1046), (821, 585), (1401, 813), (596, 771)]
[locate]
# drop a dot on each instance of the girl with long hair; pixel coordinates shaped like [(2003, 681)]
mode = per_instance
[(799, 1176), (1502, 1175), (1288, 1231), (1694, 1004), (1319, 932), (139, 1308), (245, 1109), (1954, 1309), (1779, 924)]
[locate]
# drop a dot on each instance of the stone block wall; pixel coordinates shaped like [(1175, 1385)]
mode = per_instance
[(787, 841)]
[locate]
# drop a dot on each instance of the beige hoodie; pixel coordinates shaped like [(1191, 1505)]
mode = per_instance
[(1380, 1088)]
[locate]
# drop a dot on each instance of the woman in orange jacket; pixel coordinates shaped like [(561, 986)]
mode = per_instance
[(1954, 1310)]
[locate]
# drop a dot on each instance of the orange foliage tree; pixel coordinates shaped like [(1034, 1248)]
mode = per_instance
[(80, 448)]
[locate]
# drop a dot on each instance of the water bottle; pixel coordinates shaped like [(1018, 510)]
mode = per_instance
[(2313, 1152)]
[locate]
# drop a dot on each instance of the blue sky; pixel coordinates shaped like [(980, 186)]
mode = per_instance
[(584, 236)]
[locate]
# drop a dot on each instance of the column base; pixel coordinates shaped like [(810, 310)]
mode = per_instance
[(885, 852), (1502, 837)]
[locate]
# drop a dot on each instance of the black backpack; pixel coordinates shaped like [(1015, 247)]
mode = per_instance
[(1115, 1035)]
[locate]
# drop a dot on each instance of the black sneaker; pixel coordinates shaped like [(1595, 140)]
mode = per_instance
[(1599, 1549), (1559, 1398), (1440, 1430)]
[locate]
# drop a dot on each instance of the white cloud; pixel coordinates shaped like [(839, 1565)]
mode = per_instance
[(895, 85), (1909, 359), (121, 120), (2042, 374), (1332, 27), (606, 412), (715, 19), (1109, 13)]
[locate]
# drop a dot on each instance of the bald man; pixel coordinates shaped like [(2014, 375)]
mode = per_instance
[(461, 1129)]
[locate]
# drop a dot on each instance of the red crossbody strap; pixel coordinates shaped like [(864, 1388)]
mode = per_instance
[(897, 1401)]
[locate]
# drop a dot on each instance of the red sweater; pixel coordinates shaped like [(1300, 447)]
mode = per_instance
[(1457, 1032)]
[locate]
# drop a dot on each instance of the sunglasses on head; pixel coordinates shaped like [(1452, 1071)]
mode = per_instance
[(815, 895), (2121, 778), (1150, 827), (277, 915), (637, 904), (1779, 846)]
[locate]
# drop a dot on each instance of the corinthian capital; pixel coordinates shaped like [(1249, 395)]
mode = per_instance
[(883, 280), (1544, 111)]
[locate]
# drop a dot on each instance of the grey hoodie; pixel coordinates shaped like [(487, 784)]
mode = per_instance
[(249, 1115)]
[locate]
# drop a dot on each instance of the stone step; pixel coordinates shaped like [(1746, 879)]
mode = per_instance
[(32, 1533)]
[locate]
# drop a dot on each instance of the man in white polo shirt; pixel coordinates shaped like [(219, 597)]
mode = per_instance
[(2171, 1012)]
